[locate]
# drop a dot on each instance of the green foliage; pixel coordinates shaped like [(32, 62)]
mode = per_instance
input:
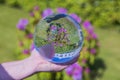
[(87, 54), (108, 53), (2, 1), (102, 13)]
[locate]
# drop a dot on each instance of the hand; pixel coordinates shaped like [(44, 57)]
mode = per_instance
[(23, 68), (44, 65), (35, 63)]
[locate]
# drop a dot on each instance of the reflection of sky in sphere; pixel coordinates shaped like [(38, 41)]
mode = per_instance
[(61, 33)]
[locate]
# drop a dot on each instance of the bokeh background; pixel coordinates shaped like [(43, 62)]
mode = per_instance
[(103, 14)]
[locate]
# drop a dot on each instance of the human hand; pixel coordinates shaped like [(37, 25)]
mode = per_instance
[(35, 63), (44, 65)]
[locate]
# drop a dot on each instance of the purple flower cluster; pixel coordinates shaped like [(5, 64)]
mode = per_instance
[(56, 34), (26, 51), (75, 71), (62, 30), (77, 18), (32, 13), (29, 36), (92, 50), (73, 15), (61, 10), (94, 36), (53, 27), (87, 25), (47, 12), (22, 24)]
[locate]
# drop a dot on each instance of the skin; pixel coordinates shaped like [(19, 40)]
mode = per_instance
[(35, 63)]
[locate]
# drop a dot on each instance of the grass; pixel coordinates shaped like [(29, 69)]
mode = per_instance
[(109, 42), (8, 19), (110, 53)]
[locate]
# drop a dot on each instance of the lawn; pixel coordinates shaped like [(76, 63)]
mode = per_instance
[(110, 53), (109, 42), (8, 19)]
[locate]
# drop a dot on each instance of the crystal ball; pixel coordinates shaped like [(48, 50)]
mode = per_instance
[(58, 38)]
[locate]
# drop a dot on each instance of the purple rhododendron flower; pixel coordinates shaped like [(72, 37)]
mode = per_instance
[(94, 36), (90, 31), (74, 16), (61, 10), (53, 28), (32, 46), (93, 51), (75, 71), (69, 70), (30, 35), (87, 25), (77, 76), (26, 51), (62, 30), (47, 12), (36, 8), (22, 24)]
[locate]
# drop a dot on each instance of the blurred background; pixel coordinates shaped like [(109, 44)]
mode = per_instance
[(104, 16)]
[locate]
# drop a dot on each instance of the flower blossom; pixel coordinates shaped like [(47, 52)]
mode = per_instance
[(75, 71), (61, 10), (94, 36), (92, 50), (22, 24), (77, 18), (62, 30), (26, 51), (47, 12), (87, 25), (53, 27), (29, 36)]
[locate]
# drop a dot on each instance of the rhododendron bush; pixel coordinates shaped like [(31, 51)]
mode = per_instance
[(80, 70)]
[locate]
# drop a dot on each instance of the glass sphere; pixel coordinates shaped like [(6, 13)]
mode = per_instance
[(58, 38)]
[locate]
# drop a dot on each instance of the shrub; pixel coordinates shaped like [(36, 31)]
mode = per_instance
[(102, 13), (79, 70)]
